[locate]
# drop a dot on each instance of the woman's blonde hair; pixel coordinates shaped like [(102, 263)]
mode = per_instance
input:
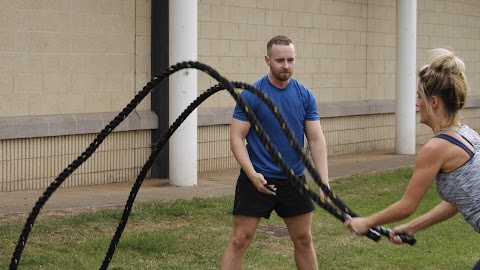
[(444, 77)]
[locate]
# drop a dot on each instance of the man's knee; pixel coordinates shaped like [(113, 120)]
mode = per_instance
[(244, 229), (303, 240), (241, 241)]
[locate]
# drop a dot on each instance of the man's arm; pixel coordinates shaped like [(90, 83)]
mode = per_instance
[(318, 149), (238, 132)]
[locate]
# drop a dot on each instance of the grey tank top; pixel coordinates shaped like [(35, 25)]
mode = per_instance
[(461, 187)]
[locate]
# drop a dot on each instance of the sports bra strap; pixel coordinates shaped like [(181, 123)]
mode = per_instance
[(457, 142)]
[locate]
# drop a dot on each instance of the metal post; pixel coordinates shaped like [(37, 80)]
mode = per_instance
[(183, 90), (406, 77)]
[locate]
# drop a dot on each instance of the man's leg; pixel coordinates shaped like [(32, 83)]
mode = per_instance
[(243, 231), (299, 228)]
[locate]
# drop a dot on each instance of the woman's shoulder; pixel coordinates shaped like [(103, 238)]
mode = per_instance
[(434, 148)]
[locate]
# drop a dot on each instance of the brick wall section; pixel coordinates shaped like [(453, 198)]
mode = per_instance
[(345, 55), (72, 57), (66, 69), (455, 24), (330, 36), (66, 60), (34, 163)]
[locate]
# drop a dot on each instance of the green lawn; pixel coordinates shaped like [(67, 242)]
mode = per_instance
[(191, 234)]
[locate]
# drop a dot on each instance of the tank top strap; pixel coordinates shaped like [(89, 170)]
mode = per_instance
[(456, 142), (466, 132)]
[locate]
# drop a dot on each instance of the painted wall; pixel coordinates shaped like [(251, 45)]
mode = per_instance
[(345, 55), (67, 67)]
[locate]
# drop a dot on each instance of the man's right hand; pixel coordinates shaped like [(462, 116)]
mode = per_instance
[(261, 184)]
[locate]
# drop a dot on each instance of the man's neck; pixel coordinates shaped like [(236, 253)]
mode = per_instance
[(277, 83)]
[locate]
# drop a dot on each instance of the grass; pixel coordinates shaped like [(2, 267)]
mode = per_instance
[(191, 234)]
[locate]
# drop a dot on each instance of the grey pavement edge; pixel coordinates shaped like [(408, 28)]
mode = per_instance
[(209, 184)]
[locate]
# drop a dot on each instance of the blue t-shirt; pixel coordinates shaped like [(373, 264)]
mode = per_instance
[(297, 104)]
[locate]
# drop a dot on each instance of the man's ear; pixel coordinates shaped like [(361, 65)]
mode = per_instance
[(267, 60)]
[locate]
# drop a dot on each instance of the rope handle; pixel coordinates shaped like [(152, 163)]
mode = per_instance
[(405, 237), (386, 232)]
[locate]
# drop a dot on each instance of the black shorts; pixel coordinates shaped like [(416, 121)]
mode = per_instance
[(288, 202), (477, 266)]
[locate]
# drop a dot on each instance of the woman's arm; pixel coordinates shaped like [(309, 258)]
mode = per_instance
[(428, 164), (439, 213)]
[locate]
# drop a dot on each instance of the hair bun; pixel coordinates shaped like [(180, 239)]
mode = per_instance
[(444, 60)]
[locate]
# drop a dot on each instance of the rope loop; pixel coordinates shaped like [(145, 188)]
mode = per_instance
[(339, 210)]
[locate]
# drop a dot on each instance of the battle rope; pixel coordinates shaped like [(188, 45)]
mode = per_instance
[(346, 212), (158, 149), (335, 212), (341, 214), (72, 167)]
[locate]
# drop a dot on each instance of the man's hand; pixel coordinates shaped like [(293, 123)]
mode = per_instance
[(261, 184)]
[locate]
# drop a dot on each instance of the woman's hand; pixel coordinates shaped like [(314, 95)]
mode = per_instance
[(402, 229), (358, 225)]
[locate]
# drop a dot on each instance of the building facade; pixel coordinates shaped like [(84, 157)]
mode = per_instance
[(68, 67)]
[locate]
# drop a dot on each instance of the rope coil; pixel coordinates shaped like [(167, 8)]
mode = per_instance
[(341, 211)]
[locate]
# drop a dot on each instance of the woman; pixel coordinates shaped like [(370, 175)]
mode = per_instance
[(451, 157)]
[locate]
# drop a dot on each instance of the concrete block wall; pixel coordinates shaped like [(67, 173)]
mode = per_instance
[(214, 148), (34, 163), (330, 36), (70, 58), (344, 135), (345, 55), (454, 24), (67, 68)]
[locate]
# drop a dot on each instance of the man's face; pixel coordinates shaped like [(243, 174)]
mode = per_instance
[(281, 60)]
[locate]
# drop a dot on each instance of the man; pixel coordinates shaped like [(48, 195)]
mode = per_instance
[(262, 186)]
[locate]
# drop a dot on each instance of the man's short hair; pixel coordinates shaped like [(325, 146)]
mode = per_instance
[(278, 40)]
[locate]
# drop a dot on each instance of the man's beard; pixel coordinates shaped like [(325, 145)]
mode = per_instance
[(282, 76)]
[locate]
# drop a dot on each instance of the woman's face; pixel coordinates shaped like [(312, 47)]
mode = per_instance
[(422, 108)]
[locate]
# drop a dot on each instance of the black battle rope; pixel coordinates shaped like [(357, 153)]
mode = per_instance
[(156, 151), (341, 215), (346, 211), (122, 115), (158, 147), (72, 167)]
